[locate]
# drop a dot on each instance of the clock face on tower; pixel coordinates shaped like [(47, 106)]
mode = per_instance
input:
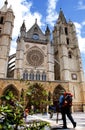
[(35, 36), (35, 57), (74, 76)]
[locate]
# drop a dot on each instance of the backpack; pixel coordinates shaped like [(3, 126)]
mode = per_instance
[(67, 100)]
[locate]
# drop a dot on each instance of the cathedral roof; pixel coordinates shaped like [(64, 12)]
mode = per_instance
[(36, 33)]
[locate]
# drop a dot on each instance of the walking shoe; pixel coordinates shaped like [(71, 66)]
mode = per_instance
[(74, 125), (64, 127)]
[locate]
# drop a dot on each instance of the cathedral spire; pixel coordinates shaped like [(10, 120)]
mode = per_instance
[(4, 8), (36, 21), (61, 17), (6, 3), (47, 30), (23, 29), (47, 33)]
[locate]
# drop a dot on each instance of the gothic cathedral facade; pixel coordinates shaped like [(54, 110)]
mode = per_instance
[(55, 62)]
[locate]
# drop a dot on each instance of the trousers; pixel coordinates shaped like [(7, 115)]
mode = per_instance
[(66, 111)]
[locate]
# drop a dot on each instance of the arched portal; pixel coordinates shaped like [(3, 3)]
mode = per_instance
[(59, 90), (36, 97), (12, 88)]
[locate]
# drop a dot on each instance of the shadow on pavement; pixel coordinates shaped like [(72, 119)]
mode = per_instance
[(58, 128)]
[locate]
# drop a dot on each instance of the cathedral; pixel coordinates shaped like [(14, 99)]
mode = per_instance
[(51, 59)]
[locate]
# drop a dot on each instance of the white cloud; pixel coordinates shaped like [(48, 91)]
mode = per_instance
[(81, 5), (83, 23), (30, 19), (51, 12), (1, 3), (81, 44), (78, 28), (13, 47), (81, 40), (21, 9)]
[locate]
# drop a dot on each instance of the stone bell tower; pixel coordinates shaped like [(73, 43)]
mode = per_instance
[(6, 26), (66, 51)]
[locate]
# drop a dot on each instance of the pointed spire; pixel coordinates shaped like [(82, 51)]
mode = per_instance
[(47, 33), (23, 28), (6, 3), (61, 17), (4, 8), (10, 8), (36, 21), (23, 25), (70, 22), (47, 30)]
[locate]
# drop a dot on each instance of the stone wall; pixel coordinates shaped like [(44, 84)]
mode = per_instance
[(74, 88)]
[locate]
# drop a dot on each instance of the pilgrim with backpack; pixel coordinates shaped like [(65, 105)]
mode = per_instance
[(65, 103)]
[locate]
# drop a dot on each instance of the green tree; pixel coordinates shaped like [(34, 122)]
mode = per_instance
[(12, 111), (37, 97)]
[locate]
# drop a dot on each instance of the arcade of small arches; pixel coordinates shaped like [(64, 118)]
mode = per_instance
[(34, 76), (37, 94)]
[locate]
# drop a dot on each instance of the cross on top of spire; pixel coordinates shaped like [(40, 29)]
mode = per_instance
[(36, 20)]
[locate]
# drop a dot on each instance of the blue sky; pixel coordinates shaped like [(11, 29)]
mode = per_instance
[(46, 12)]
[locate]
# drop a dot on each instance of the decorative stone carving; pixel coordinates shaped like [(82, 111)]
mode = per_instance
[(35, 57)]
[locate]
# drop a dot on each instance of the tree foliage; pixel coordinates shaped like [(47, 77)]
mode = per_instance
[(11, 110), (37, 96)]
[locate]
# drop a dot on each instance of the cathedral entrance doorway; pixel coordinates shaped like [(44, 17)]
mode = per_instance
[(11, 88), (36, 98), (9, 93), (59, 90)]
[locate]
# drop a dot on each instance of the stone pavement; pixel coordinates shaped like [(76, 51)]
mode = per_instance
[(78, 117)]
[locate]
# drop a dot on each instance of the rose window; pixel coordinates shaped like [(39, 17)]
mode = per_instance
[(35, 57)]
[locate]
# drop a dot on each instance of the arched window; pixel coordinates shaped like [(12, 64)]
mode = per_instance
[(35, 29), (25, 75), (43, 76), (69, 54), (67, 40), (38, 75), (66, 30), (31, 76), (1, 20), (0, 30)]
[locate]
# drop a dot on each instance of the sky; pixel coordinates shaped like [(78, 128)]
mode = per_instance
[(46, 12)]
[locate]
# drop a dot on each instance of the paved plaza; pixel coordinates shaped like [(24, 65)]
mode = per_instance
[(78, 117)]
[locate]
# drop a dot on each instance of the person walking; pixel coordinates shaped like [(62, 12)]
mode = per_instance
[(65, 103), (26, 112)]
